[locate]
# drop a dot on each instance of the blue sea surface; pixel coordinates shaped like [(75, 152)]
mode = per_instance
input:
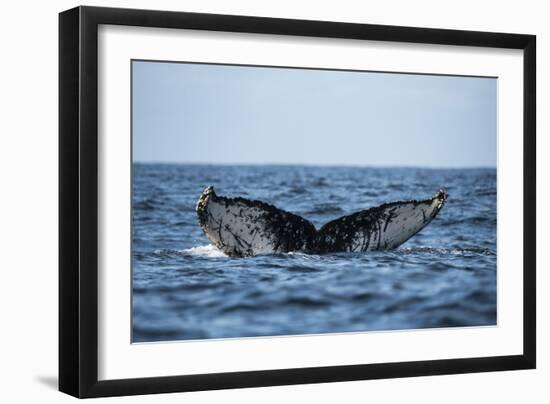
[(184, 288)]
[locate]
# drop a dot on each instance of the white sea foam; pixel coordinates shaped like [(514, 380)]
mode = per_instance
[(204, 251)]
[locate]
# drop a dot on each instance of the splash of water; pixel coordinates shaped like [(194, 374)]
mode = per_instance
[(209, 251)]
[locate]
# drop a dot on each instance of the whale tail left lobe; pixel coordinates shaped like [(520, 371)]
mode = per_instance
[(243, 227)]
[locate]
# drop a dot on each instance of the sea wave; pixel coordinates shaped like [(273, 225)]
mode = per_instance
[(443, 251), (211, 251), (208, 250), (185, 288)]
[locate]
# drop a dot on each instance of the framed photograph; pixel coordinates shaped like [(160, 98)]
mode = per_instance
[(249, 201)]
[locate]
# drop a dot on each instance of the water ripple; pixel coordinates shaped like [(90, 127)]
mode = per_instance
[(185, 288)]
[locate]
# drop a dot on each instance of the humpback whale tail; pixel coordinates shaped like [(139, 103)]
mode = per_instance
[(243, 227)]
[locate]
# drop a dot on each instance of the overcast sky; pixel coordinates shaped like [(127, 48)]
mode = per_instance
[(199, 113)]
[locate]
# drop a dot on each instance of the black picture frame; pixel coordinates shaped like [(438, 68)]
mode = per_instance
[(78, 201)]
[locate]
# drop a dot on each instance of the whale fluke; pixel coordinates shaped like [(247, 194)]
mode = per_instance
[(243, 227)]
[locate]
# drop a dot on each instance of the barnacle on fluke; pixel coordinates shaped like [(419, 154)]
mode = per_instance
[(243, 227)]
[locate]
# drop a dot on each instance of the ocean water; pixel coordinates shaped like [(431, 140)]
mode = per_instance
[(184, 288)]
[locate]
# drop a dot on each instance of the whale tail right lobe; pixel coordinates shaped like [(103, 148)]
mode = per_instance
[(380, 228)]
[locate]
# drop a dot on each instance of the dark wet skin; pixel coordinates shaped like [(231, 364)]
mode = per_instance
[(291, 233)]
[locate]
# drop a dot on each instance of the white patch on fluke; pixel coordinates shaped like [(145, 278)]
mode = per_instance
[(239, 226)]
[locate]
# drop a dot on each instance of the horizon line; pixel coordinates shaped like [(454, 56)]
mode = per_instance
[(335, 165)]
